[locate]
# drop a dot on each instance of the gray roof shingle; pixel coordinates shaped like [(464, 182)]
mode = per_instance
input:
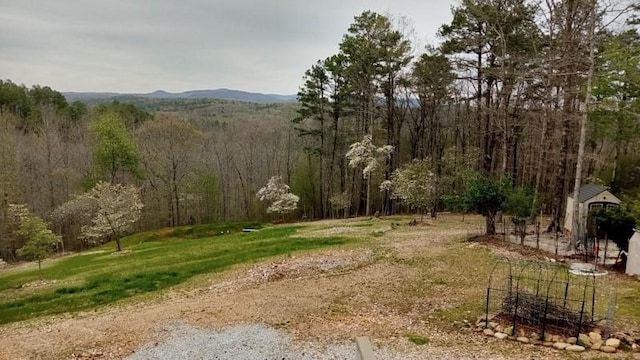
[(587, 191)]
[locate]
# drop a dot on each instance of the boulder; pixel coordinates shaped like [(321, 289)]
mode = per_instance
[(595, 337), (584, 340), (560, 345), (575, 348), (500, 335), (522, 339), (608, 349), (613, 342)]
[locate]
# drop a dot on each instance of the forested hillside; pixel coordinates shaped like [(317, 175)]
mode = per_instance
[(506, 94)]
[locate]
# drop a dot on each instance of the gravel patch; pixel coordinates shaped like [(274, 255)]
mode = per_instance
[(248, 342), (260, 342)]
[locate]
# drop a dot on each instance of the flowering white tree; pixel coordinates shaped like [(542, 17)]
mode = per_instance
[(277, 193), (118, 208), (365, 153), (414, 184)]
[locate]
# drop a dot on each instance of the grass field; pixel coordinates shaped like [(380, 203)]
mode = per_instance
[(150, 261)]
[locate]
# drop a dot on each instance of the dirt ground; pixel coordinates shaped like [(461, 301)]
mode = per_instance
[(375, 288)]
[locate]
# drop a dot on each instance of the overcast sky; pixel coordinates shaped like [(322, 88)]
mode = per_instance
[(146, 45)]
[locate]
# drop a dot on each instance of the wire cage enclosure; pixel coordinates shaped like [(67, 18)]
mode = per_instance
[(545, 298)]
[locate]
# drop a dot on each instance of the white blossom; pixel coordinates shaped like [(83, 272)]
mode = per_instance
[(277, 192), (367, 154), (118, 208)]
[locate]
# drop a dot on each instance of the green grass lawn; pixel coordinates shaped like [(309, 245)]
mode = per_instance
[(150, 261)]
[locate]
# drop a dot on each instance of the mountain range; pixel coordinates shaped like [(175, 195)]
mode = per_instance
[(223, 94)]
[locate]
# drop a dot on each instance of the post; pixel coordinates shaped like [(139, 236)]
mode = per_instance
[(486, 313)]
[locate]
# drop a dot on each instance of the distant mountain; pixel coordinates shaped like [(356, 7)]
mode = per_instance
[(223, 94)]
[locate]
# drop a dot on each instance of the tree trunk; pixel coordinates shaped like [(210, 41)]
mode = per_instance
[(576, 233), (490, 224)]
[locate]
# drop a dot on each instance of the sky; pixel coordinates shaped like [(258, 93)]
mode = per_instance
[(139, 46)]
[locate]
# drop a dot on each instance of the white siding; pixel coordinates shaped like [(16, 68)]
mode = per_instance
[(633, 259)]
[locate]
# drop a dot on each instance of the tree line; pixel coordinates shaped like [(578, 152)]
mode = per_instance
[(382, 126)]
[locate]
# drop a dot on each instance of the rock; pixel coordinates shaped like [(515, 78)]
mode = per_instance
[(479, 328), (499, 328), (534, 336), (608, 349), (522, 333), (584, 340), (522, 339), (572, 340), (628, 340), (613, 342), (595, 337), (560, 345), (556, 338), (536, 342), (509, 330), (547, 337), (493, 325), (547, 344), (500, 335), (596, 345), (488, 332), (575, 348)]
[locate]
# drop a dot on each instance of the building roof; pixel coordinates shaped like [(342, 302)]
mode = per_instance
[(587, 191)]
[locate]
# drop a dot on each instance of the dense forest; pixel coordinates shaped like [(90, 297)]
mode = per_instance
[(544, 94)]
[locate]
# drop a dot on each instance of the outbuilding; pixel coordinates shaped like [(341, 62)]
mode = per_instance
[(633, 255), (590, 196)]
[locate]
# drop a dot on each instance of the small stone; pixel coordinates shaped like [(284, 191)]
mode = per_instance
[(556, 338), (499, 328), (522, 333), (523, 339), (488, 332), (595, 337), (575, 348), (608, 349), (547, 344), (536, 342), (509, 330), (547, 337), (572, 340), (493, 325), (635, 347), (534, 336), (596, 345), (560, 345), (500, 335), (613, 342)]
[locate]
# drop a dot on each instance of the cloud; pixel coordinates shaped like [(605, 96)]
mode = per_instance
[(144, 45)]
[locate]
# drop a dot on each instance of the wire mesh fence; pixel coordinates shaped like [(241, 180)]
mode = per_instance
[(546, 298)]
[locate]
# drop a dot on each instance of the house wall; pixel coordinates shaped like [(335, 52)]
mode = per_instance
[(633, 258)]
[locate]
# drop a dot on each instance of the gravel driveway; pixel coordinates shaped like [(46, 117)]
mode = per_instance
[(249, 342)]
